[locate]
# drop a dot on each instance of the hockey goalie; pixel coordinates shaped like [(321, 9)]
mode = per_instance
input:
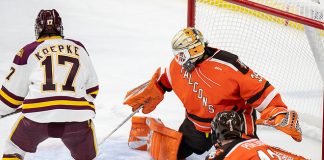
[(210, 80)]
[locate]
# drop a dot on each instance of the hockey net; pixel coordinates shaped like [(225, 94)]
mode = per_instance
[(277, 48)]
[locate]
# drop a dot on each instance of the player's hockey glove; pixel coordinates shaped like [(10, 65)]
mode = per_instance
[(149, 94), (283, 120)]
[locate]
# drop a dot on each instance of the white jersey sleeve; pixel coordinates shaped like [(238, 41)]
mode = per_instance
[(92, 86), (14, 89), (53, 80)]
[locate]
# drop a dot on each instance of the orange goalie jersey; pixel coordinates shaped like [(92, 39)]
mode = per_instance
[(252, 149), (221, 82)]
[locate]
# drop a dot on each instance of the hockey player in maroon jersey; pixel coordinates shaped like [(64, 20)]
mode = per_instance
[(227, 138), (54, 82), (210, 80)]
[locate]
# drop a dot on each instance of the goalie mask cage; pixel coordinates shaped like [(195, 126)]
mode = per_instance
[(273, 37)]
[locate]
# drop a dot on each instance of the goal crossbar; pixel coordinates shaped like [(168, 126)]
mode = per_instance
[(279, 13), (261, 8)]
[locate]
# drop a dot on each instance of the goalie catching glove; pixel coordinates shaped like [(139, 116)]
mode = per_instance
[(283, 120), (149, 94)]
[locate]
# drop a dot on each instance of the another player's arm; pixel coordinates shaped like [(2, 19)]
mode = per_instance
[(261, 95), (15, 86)]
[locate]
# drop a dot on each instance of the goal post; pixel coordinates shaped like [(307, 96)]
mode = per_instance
[(283, 40)]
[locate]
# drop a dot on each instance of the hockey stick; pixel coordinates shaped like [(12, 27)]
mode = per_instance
[(12, 113), (121, 124)]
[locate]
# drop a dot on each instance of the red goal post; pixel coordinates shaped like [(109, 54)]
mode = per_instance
[(283, 40)]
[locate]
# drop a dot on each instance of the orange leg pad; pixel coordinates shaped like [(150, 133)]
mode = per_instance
[(139, 134), (164, 142), (150, 134)]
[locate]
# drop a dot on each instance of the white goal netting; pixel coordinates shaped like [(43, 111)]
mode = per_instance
[(276, 48)]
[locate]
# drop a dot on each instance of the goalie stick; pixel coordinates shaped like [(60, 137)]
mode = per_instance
[(129, 94), (121, 124)]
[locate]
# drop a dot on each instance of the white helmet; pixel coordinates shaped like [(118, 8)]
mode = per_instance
[(188, 44)]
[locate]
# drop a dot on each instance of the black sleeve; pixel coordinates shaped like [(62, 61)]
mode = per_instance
[(164, 88)]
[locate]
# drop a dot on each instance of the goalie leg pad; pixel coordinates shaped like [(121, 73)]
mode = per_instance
[(139, 133), (164, 142), (150, 134)]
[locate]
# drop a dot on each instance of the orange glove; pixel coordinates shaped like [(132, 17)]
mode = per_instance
[(283, 120), (148, 94)]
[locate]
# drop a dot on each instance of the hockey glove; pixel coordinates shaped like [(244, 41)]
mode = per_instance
[(148, 94), (283, 120)]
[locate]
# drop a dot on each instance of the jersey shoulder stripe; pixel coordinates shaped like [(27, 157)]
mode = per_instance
[(231, 59), (259, 94), (78, 43), (23, 55)]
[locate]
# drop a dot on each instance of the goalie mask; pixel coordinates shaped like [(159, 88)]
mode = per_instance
[(188, 46), (226, 125), (48, 23)]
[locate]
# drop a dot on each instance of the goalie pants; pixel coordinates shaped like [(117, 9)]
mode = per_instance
[(78, 137), (193, 141)]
